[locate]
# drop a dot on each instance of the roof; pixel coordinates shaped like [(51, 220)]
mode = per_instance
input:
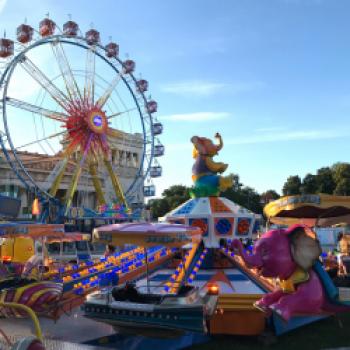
[(309, 206), (209, 206)]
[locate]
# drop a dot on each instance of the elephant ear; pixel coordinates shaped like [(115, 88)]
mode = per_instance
[(305, 247), (198, 144)]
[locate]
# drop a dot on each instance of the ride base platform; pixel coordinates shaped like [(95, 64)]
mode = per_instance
[(75, 332)]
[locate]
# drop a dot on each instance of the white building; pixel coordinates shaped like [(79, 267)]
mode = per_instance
[(126, 155)]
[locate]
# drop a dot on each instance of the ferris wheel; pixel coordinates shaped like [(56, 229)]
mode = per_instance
[(77, 104)]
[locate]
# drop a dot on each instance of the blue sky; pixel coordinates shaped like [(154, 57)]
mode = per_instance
[(273, 77)]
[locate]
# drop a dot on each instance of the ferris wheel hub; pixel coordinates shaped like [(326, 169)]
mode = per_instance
[(97, 121)]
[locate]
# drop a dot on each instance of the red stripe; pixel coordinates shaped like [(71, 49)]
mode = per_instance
[(9, 295), (28, 291), (41, 297), (43, 302)]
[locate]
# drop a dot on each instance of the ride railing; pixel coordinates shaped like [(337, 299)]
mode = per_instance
[(69, 268), (267, 283), (179, 274), (148, 292), (101, 264), (29, 312), (113, 272), (197, 266)]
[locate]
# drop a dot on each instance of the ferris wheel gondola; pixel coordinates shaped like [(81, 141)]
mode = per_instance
[(86, 97)]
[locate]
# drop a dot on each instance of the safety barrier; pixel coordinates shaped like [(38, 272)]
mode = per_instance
[(177, 277), (197, 266)]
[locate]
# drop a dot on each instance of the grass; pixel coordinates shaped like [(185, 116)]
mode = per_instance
[(325, 334)]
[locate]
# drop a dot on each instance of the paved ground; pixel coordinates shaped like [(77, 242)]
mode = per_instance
[(73, 328)]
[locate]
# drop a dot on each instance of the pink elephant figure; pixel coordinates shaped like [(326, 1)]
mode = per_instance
[(289, 256)]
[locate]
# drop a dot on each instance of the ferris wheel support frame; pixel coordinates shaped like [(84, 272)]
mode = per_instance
[(27, 180)]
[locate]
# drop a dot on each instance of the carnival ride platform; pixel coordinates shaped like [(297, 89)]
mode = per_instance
[(235, 313), (75, 332)]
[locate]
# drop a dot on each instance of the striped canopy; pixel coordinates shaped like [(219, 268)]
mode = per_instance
[(308, 209)]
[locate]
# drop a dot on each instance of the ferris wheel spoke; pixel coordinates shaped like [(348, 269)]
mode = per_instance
[(42, 139), (70, 82), (57, 175), (58, 172), (89, 88), (120, 113), (77, 173), (45, 82), (74, 183), (97, 183), (115, 182), (105, 96), (36, 109)]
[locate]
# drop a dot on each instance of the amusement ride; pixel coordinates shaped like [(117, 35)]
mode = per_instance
[(66, 95), (78, 103)]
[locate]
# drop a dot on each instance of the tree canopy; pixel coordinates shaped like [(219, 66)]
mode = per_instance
[(177, 194), (171, 198), (292, 186), (331, 180)]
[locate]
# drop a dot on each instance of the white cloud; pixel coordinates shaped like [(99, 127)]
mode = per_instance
[(301, 135), (2, 4), (198, 88), (206, 88), (196, 117), (271, 129)]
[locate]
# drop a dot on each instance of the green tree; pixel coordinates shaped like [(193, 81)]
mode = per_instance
[(341, 176), (292, 186), (237, 185), (325, 181), (175, 195), (172, 197), (251, 199), (159, 207), (342, 187), (176, 190), (245, 196), (340, 171), (269, 195), (309, 184)]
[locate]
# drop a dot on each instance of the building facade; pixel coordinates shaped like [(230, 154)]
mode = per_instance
[(125, 156)]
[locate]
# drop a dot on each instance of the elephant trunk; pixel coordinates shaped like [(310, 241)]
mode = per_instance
[(221, 144), (253, 260)]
